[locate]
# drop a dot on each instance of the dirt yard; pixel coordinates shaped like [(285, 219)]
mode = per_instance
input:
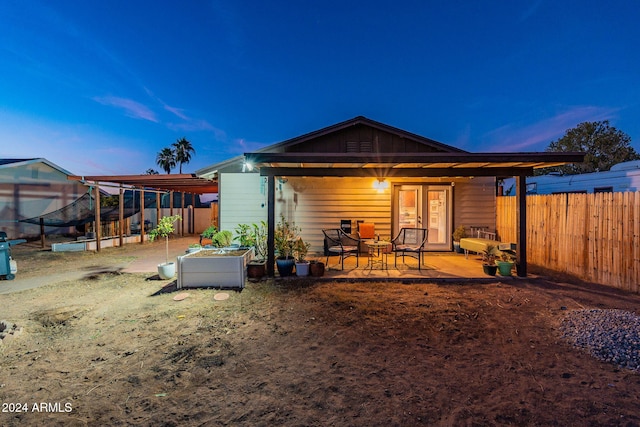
[(117, 349)]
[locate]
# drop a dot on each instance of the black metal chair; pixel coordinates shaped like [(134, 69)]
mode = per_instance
[(337, 242), (410, 242)]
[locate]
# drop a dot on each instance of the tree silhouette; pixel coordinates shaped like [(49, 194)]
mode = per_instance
[(152, 172), (603, 145), (183, 150), (166, 159)]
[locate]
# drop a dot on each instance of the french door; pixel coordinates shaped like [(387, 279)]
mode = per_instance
[(425, 206)]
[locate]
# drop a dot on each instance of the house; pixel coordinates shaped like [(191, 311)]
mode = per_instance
[(30, 188), (363, 170), (621, 177)]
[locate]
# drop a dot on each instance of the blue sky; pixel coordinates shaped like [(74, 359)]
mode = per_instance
[(100, 88)]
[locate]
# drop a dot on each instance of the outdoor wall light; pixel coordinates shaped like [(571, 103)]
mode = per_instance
[(380, 184), (247, 166)]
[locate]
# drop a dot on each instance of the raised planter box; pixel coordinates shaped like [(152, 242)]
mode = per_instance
[(214, 268)]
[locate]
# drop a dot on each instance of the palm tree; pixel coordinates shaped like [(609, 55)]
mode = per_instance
[(166, 159), (183, 150), (152, 172)]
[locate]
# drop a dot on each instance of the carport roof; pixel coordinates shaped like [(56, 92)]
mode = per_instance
[(187, 183)]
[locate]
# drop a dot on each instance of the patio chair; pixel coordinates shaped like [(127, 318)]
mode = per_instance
[(366, 231), (337, 242), (410, 242)]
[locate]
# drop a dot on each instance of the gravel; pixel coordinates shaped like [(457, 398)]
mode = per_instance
[(612, 336)]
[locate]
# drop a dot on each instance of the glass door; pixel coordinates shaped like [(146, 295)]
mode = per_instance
[(433, 202), (409, 207), (439, 217)]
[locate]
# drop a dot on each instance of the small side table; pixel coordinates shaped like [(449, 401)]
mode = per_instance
[(377, 254)]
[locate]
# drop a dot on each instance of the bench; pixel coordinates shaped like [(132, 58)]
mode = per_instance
[(480, 244)]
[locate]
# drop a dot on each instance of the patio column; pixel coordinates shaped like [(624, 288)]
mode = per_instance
[(521, 224), (121, 215), (142, 215), (271, 223), (98, 223)]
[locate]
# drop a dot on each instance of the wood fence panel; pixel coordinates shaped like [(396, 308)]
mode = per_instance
[(593, 236)]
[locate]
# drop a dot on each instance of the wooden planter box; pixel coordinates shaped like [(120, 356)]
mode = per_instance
[(211, 268)]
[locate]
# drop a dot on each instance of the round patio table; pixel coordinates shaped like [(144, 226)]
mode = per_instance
[(378, 254)]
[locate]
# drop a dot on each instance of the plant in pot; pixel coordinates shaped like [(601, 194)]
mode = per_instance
[(164, 229), (285, 236), (243, 236), (300, 249), (458, 233), (489, 260), (208, 233), (505, 264), (222, 239), (257, 238)]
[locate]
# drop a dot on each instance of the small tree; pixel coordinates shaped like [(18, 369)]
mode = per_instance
[(164, 229), (285, 236), (603, 145)]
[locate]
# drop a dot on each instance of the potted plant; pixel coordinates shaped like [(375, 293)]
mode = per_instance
[(164, 229), (488, 261), (243, 235), (316, 268), (458, 233), (285, 236), (505, 264), (208, 233), (300, 249), (257, 237), (222, 239)]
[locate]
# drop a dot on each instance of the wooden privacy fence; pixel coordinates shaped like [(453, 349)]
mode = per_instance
[(592, 236)]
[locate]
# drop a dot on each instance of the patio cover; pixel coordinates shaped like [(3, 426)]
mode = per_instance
[(386, 165)]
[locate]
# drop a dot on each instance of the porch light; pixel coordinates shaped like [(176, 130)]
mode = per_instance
[(380, 184), (247, 166)]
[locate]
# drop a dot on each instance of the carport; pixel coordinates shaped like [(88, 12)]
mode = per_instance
[(182, 183)]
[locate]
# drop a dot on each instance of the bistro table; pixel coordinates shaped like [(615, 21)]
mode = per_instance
[(378, 253)]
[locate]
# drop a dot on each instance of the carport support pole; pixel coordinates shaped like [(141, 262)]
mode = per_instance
[(521, 228), (142, 215), (98, 223), (271, 224), (121, 216)]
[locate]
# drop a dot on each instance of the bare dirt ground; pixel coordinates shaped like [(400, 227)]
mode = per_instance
[(111, 348)]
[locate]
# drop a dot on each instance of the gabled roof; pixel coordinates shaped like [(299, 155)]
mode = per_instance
[(360, 120), (235, 164), (396, 153), (9, 163)]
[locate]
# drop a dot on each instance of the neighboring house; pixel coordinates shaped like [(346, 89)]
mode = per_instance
[(30, 188), (362, 170), (621, 177)]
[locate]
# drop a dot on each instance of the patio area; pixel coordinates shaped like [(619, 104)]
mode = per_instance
[(437, 266)]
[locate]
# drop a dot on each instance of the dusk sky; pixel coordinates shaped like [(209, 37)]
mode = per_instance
[(100, 87)]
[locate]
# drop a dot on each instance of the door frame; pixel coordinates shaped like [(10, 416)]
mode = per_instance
[(423, 210)]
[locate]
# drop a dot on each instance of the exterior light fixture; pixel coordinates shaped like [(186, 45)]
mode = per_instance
[(247, 166), (380, 184)]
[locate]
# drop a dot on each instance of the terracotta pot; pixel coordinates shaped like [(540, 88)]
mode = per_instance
[(256, 269), (316, 268)]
